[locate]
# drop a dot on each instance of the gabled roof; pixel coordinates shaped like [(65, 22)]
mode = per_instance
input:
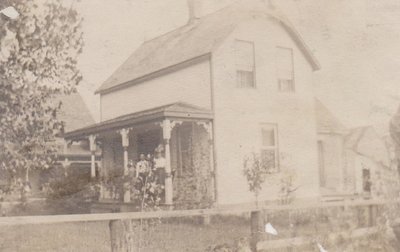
[(193, 40), (366, 142), (354, 136), (326, 121), (174, 110), (74, 112)]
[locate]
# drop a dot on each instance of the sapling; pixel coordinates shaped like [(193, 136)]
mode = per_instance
[(256, 169)]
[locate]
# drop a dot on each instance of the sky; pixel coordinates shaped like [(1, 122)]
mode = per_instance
[(357, 43)]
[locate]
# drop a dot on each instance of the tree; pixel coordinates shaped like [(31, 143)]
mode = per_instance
[(395, 132), (255, 169), (38, 61)]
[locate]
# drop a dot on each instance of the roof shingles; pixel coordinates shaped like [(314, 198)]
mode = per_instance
[(326, 121), (193, 40)]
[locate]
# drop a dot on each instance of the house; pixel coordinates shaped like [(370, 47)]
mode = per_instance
[(72, 157), (370, 165), (391, 175), (331, 151), (353, 163), (234, 82), (75, 156)]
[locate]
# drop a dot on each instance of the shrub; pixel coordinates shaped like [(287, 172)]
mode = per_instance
[(74, 185)]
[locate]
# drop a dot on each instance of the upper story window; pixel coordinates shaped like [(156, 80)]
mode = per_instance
[(269, 147), (285, 69), (245, 66)]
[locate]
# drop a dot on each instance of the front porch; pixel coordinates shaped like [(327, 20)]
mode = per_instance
[(185, 133)]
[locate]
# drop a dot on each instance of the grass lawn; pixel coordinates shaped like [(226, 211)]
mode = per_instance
[(94, 236)]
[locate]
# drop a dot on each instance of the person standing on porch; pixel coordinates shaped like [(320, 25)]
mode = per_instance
[(159, 165), (142, 168)]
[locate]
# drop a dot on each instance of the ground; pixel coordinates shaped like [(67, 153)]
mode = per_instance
[(187, 234), (94, 236)]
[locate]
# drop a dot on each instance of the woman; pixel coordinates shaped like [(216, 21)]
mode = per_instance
[(142, 167), (159, 165)]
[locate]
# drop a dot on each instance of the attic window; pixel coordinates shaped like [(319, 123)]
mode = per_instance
[(245, 67), (285, 69)]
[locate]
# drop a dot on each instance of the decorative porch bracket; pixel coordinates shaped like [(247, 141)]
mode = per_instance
[(125, 144), (208, 127), (167, 127)]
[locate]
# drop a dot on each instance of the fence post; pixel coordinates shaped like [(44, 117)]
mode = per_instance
[(117, 236), (122, 237), (257, 228), (372, 215)]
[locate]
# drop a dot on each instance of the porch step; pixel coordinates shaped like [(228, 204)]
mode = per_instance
[(99, 207)]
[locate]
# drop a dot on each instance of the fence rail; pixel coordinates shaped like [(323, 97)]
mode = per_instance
[(258, 215), (299, 241), (48, 219)]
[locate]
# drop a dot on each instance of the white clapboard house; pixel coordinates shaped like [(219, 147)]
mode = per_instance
[(227, 84)]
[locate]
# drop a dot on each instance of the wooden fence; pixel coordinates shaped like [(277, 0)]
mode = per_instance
[(257, 221)]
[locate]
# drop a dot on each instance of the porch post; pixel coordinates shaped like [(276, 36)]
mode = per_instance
[(66, 161), (212, 169), (168, 178), (125, 143), (92, 144), (65, 166)]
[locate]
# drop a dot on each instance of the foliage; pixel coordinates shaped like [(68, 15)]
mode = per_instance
[(38, 62), (192, 195), (287, 186), (256, 169), (193, 188), (147, 194), (74, 185), (112, 183), (394, 129), (241, 245)]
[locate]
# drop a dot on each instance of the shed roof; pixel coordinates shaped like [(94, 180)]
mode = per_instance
[(193, 40), (174, 110), (354, 136), (366, 142)]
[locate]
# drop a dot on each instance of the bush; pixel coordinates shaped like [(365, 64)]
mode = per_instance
[(75, 185)]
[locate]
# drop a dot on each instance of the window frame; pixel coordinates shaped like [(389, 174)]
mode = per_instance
[(279, 79), (275, 148), (239, 69), (321, 163)]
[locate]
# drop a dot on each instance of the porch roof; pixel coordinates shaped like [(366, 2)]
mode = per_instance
[(175, 110)]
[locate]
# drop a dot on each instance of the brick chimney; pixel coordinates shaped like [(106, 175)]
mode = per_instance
[(194, 7), (199, 8)]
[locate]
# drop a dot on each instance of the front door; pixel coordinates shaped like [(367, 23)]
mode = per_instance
[(148, 141)]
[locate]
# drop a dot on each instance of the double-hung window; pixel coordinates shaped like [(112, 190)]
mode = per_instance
[(269, 147), (285, 69), (245, 66)]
